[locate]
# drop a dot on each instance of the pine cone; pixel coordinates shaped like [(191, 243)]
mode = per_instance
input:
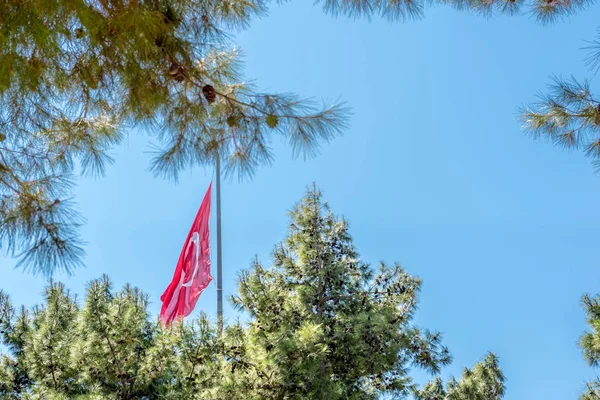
[(209, 94), (176, 72), (169, 16), (160, 41), (232, 121), (272, 121)]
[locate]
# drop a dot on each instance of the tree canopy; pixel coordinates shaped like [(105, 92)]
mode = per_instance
[(484, 381), (322, 324), (75, 76), (568, 112)]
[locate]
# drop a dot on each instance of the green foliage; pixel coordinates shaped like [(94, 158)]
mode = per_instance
[(76, 75), (569, 116), (104, 349), (592, 390), (590, 344), (567, 113), (326, 325), (544, 11), (322, 325), (484, 381)]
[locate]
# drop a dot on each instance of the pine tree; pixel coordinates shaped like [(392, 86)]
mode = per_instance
[(326, 325), (106, 348), (322, 325), (76, 75), (567, 113), (590, 344), (484, 381)]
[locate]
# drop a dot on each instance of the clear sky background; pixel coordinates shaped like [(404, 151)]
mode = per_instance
[(434, 173)]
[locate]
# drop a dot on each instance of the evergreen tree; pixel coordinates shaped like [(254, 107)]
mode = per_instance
[(590, 344), (569, 116), (75, 74), (322, 325), (484, 381), (104, 349), (326, 325), (568, 113)]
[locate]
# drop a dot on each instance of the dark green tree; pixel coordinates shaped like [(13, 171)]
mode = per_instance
[(322, 325)]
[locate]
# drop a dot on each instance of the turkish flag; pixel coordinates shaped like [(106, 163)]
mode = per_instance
[(192, 274)]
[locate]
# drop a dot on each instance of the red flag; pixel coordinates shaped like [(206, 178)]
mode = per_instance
[(192, 274)]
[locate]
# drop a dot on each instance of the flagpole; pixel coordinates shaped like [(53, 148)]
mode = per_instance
[(219, 250)]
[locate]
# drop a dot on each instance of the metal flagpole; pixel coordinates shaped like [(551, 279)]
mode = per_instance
[(219, 252)]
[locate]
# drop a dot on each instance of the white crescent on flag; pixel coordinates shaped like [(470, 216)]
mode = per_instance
[(194, 240), (192, 273)]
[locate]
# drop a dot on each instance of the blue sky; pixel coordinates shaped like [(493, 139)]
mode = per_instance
[(434, 173)]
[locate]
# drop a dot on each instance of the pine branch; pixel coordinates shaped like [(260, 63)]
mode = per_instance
[(593, 58), (484, 381), (72, 82), (569, 116), (592, 390)]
